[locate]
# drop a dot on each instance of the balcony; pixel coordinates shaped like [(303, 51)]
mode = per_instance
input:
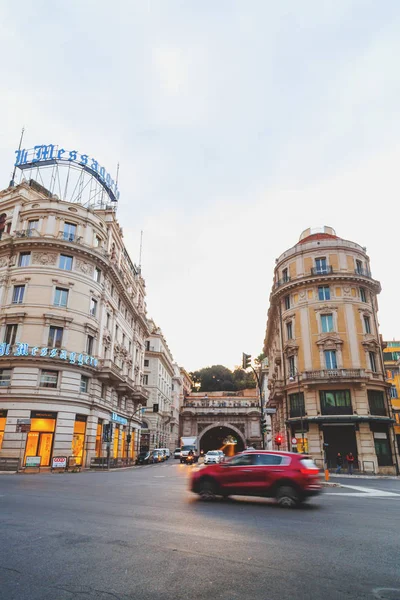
[(328, 270), (109, 371), (333, 374), (363, 273), (282, 281), (329, 409), (69, 237)]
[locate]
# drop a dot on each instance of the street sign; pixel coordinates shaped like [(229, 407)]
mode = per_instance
[(33, 461), (270, 411), (59, 462), (294, 442)]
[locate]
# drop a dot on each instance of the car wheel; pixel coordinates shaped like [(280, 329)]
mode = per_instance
[(207, 490), (287, 496)]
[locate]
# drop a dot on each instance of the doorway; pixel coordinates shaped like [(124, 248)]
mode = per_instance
[(340, 438), (39, 441)]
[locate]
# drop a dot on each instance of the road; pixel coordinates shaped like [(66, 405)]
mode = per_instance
[(139, 534)]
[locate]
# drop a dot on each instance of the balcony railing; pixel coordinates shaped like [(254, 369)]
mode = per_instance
[(329, 374), (328, 270), (379, 411), (363, 272), (69, 237), (328, 409), (282, 281)]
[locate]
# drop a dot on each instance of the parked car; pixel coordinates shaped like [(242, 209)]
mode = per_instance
[(158, 456), (222, 455), (177, 453), (167, 452), (288, 477), (213, 456), (144, 458), (162, 452)]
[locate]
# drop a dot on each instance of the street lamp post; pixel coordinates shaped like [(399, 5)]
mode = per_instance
[(295, 372), (246, 363)]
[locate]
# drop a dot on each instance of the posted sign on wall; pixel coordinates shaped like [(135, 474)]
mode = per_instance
[(33, 461), (59, 462)]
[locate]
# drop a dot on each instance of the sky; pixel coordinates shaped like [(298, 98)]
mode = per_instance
[(237, 124)]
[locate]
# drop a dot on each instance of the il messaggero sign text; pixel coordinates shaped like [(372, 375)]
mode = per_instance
[(50, 153), (74, 358)]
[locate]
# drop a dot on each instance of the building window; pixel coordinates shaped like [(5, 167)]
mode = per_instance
[(69, 232), (147, 345), (116, 333), (55, 337), (324, 292), (287, 302), (327, 323), (5, 377), (285, 275), (11, 334), (376, 403), (24, 259), (97, 274), (84, 384), (89, 344), (65, 262), (320, 265), (296, 402), (97, 241), (330, 359), (359, 267), (93, 307), (335, 402), (289, 330), (108, 320), (367, 324), (103, 391), (393, 392), (372, 361), (18, 294), (130, 347), (33, 225), (119, 303), (363, 295), (61, 297), (123, 339), (146, 362), (145, 380), (112, 290), (49, 379), (292, 366)]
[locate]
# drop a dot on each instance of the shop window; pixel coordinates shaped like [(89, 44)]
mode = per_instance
[(376, 401), (65, 262), (382, 444), (24, 259), (48, 379), (93, 307), (78, 440), (335, 402), (55, 337), (330, 359), (18, 294), (40, 438), (132, 445), (61, 297), (84, 384), (5, 377), (123, 443), (89, 344), (99, 436), (116, 441), (11, 334), (3, 419)]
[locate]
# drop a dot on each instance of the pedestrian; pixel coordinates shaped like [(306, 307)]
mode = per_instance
[(339, 462), (350, 462)]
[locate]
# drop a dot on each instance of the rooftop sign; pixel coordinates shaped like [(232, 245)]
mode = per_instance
[(73, 358)]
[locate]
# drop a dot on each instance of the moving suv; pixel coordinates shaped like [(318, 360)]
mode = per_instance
[(287, 476)]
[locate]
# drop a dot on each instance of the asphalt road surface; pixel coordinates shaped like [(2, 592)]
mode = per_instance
[(139, 534)]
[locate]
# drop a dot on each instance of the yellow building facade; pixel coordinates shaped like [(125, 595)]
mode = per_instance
[(391, 358), (326, 372)]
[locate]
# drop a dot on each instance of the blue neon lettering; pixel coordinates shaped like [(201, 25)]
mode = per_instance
[(87, 358), (80, 359), (73, 154), (53, 353), (63, 355), (72, 356), (22, 350), (21, 157), (84, 159), (102, 173), (4, 349), (60, 153), (44, 352), (34, 350)]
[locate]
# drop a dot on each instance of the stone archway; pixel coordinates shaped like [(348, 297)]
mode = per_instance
[(212, 437)]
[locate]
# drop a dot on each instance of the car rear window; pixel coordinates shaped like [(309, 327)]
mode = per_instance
[(185, 448), (212, 453), (308, 463)]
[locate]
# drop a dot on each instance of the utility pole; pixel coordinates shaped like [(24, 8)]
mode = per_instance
[(246, 363)]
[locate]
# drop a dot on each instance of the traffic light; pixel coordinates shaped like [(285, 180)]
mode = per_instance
[(107, 432), (278, 439), (263, 424), (246, 360)]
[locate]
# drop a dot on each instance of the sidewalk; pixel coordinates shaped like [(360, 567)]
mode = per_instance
[(371, 476)]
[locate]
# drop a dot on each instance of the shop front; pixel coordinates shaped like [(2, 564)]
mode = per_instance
[(40, 439), (3, 419), (78, 439)]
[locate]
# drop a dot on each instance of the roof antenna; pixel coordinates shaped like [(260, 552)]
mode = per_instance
[(116, 179), (140, 253), (12, 182)]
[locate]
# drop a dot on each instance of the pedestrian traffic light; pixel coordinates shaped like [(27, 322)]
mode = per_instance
[(107, 432), (263, 424), (278, 439), (246, 360)]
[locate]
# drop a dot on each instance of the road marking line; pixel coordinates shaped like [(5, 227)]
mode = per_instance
[(363, 492), (158, 475)]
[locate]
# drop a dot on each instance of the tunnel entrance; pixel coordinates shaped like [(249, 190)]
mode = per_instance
[(223, 438)]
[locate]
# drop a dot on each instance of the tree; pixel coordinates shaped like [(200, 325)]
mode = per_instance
[(218, 378)]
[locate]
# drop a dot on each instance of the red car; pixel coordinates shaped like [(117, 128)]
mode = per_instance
[(287, 476)]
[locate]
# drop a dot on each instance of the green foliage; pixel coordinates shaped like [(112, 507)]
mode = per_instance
[(218, 378)]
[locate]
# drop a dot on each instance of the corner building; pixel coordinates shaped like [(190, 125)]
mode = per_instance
[(326, 371), (72, 331)]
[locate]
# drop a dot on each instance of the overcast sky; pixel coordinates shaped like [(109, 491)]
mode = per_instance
[(237, 125)]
